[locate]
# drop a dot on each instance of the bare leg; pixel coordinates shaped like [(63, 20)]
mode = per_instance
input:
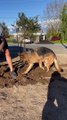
[(8, 59), (28, 69)]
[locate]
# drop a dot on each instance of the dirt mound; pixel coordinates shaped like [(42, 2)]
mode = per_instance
[(36, 96), (34, 76)]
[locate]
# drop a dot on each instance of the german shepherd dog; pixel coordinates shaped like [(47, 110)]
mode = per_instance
[(45, 57)]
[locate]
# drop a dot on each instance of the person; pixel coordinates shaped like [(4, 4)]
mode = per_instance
[(5, 50)]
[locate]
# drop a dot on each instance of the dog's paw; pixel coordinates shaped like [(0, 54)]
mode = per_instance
[(43, 68), (24, 73)]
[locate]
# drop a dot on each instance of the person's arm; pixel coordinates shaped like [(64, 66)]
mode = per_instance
[(2, 44)]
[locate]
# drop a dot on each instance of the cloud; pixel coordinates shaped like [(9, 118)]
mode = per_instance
[(11, 29), (48, 22)]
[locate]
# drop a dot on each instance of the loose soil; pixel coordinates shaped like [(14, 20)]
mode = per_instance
[(36, 96)]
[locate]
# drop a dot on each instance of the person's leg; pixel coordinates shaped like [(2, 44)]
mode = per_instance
[(9, 62), (8, 59)]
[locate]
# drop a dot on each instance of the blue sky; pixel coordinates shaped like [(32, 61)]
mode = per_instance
[(9, 9)]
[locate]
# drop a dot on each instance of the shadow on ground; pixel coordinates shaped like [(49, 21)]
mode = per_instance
[(56, 105), (64, 45), (45, 42)]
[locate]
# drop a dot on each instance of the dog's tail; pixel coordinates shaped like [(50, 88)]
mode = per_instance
[(57, 65)]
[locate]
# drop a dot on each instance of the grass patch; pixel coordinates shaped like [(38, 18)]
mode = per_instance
[(11, 40), (59, 42)]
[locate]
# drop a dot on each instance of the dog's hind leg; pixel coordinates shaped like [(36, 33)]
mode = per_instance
[(28, 69), (57, 65)]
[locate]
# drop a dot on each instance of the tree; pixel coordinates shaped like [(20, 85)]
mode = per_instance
[(63, 27), (5, 29), (52, 16), (28, 25)]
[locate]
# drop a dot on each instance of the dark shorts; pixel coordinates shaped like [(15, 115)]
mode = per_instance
[(5, 45)]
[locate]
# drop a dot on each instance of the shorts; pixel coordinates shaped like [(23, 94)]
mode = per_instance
[(5, 45)]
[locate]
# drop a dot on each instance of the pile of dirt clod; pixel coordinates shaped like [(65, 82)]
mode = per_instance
[(34, 76), (36, 96)]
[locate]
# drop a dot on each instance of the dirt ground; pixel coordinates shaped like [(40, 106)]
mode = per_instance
[(36, 96)]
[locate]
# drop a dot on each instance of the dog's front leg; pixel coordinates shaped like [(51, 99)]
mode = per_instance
[(41, 65), (47, 65), (28, 69)]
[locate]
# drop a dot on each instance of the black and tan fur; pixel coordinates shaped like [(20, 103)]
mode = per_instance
[(43, 56)]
